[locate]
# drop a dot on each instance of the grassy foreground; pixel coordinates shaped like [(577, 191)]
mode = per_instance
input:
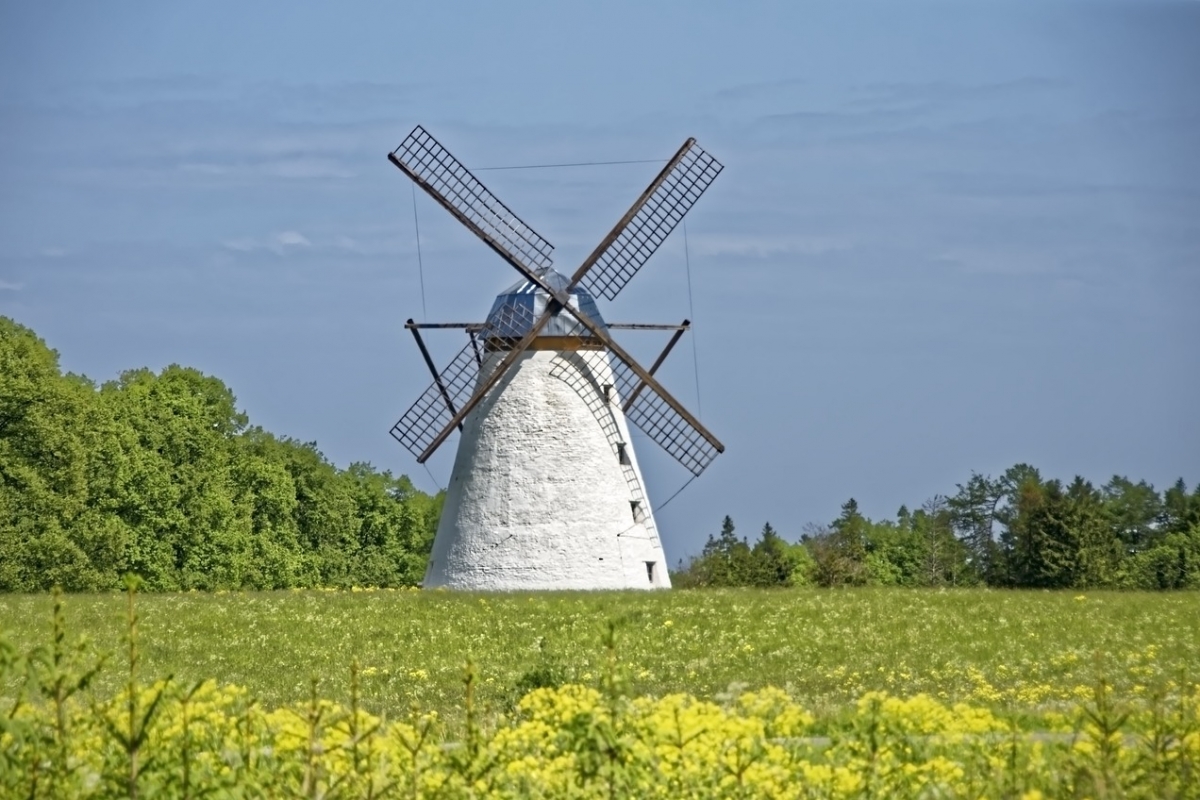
[(1029, 653), (885, 694)]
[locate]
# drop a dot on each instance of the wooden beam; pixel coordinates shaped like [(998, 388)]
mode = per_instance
[(478, 326), (475, 347), (642, 326), (657, 363), (591, 260), (487, 385), (560, 300), (498, 248), (629, 360), (432, 369), (470, 326)]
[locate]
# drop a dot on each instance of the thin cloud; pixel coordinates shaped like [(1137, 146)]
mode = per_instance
[(764, 245), (288, 169), (981, 261), (933, 94), (7, 286), (307, 169), (757, 90), (278, 243), (290, 238), (204, 169)]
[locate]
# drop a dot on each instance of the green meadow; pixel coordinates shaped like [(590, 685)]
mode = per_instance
[(1026, 652)]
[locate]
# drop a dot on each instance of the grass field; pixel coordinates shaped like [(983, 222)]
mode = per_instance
[(1029, 653), (882, 693)]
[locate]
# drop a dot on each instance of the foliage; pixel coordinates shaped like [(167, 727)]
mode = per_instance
[(1019, 530), (589, 740), (729, 561), (159, 475)]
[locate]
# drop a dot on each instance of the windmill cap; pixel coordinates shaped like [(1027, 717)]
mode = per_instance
[(530, 301)]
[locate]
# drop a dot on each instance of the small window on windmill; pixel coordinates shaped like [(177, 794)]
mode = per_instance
[(635, 508), (622, 454), (650, 570)]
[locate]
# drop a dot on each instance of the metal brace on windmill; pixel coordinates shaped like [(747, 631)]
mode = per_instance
[(546, 492)]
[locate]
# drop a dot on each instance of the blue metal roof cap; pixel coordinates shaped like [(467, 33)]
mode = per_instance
[(532, 298)]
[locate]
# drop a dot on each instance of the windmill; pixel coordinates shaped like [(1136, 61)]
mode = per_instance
[(546, 492)]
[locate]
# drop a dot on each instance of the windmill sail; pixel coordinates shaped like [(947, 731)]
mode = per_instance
[(653, 216), (657, 213), (429, 420), (693, 447), (444, 177), (540, 495), (655, 417), (436, 406)]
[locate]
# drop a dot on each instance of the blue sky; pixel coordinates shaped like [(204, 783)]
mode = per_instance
[(949, 236)]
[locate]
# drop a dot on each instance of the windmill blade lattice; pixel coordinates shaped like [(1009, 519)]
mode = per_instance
[(649, 411), (663, 424), (433, 409), (462, 385), (450, 183), (433, 412), (690, 174)]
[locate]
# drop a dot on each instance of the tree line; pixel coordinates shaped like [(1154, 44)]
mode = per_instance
[(159, 475), (1019, 530)]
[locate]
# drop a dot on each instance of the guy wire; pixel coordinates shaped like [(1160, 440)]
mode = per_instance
[(664, 504), (424, 312), (687, 260), (678, 492), (436, 482), (420, 265), (576, 164)]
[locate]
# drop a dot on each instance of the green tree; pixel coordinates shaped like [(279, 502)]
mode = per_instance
[(160, 475), (945, 560), (973, 515), (1170, 556), (182, 499), (1062, 537), (1180, 510), (725, 559), (55, 473), (266, 498), (394, 540), (1134, 509), (1172, 563), (840, 552), (771, 562)]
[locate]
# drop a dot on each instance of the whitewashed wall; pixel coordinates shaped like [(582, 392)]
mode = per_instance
[(538, 498)]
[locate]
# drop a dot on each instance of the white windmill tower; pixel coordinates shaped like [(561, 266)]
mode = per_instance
[(546, 492)]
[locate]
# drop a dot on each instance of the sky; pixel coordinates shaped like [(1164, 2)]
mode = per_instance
[(949, 237)]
